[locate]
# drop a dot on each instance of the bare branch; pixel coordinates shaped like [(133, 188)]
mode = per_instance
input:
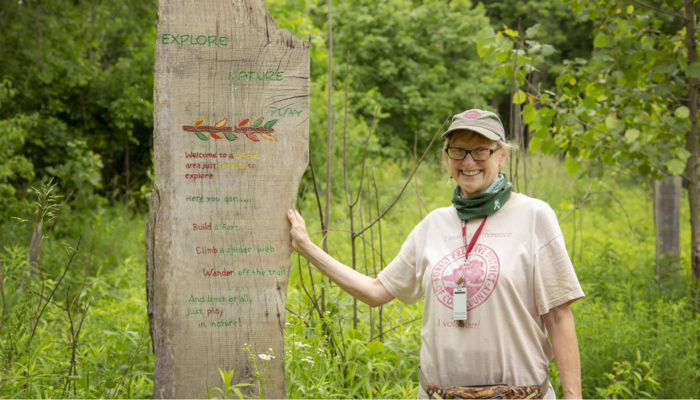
[(395, 327), (388, 208), (661, 10)]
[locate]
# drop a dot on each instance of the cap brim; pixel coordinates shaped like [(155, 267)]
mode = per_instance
[(481, 131)]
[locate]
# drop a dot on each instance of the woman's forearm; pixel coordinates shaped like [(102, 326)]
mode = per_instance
[(562, 332), (360, 286)]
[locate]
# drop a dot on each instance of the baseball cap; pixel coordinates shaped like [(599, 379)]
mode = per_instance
[(483, 122)]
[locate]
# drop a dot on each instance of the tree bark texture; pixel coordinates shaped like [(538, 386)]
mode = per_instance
[(667, 214), (231, 109), (691, 171)]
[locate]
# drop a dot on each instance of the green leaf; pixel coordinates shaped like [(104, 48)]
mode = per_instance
[(601, 40), (572, 165), (682, 153), (675, 166), (375, 347), (519, 97), (682, 112), (511, 33), (611, 122), (533, 30), (631, 135), (694, 70)]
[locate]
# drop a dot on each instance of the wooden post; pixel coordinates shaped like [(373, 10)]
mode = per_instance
[(230, 146)]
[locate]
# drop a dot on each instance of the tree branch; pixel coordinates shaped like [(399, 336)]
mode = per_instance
[(661, 10)]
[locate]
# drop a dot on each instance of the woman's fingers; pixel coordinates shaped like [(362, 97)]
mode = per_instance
[(298, 229)]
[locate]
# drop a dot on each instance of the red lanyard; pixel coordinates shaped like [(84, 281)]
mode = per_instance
[(474, 238)]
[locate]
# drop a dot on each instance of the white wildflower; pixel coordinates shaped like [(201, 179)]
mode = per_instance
[(302, 344), (266, 357), (308, 359)]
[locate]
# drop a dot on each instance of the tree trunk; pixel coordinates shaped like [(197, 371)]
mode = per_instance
[(667, 213), (691, 171)]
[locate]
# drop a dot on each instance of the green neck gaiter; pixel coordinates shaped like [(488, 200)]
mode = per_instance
[(485, 203)]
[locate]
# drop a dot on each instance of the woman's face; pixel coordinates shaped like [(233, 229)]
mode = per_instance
[(474, 177)]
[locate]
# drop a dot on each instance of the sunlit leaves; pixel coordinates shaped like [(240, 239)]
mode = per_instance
[(519, 97), (682, 112), (601, 40)]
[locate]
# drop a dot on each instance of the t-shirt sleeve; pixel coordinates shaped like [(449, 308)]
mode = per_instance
[(400, 277), (554, 276)]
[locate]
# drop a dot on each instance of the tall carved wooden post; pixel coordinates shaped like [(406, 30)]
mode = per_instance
[(230, 146)]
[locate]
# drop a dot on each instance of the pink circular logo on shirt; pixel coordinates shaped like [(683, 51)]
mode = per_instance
[(480, 273)]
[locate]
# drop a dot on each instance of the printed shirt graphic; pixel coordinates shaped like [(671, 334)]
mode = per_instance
[(517, 271), (479, 274)]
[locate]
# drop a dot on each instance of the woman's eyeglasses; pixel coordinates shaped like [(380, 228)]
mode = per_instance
[(479, 154)]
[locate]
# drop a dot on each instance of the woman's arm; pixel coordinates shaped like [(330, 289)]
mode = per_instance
[(562, 332), (362, 287)]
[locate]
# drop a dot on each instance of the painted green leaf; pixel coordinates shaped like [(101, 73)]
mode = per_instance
[(270, 124), (201, 136)]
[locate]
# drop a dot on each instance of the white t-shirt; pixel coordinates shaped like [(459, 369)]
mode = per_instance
[(517, 271)]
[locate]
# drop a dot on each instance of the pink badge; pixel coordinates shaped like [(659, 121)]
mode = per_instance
[(473, 114)]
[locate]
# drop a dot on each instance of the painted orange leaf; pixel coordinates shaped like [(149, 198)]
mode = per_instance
[(252, 137), (243, 122), (221, 123), (215, 135), (199, 122), (268, 137)]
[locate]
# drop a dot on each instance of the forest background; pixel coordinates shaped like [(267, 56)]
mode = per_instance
[(600, 97)]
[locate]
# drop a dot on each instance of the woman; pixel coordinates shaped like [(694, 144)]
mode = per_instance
[(494, 272)]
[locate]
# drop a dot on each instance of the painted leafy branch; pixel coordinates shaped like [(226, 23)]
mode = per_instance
[(220, 131)]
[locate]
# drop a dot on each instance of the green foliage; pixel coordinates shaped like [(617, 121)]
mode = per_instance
[(229, 390), (624, 106), (77, 328), (630, 381), (75, 98), (557, 24), (413, 59)]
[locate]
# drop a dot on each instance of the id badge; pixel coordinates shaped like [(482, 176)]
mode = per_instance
[(459, 304)]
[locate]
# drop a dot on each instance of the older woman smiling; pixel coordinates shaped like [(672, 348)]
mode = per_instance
[(490, 297)]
